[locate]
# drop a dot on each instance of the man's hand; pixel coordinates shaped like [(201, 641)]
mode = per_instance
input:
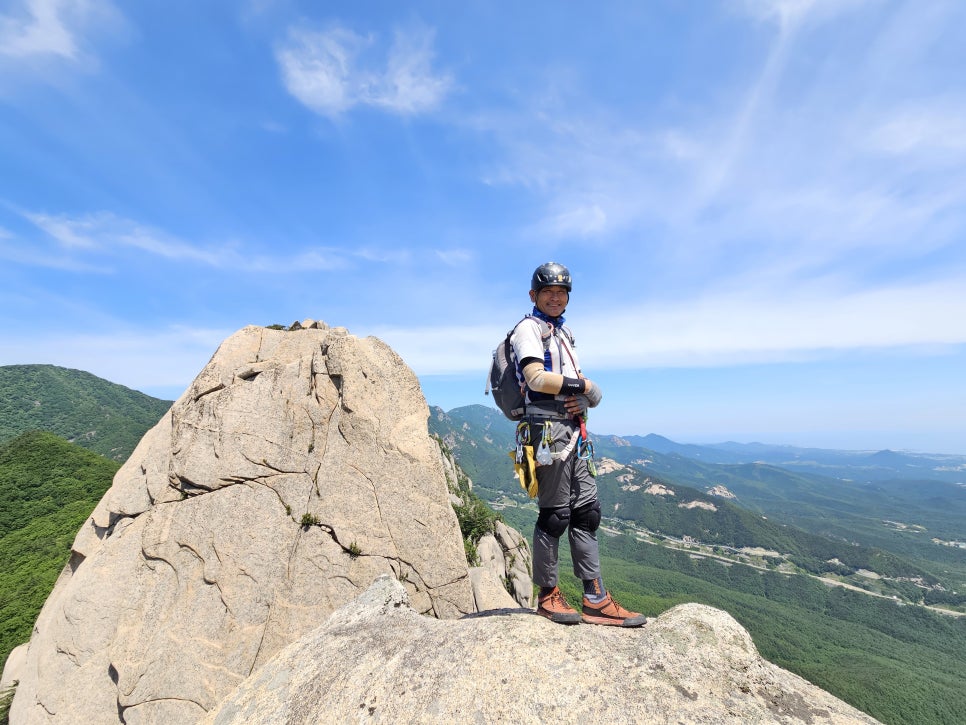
[(575, 404)]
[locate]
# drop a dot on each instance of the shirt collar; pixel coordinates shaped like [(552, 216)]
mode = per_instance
[(557, 322)]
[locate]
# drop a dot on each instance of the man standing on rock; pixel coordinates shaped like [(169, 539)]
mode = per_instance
[(557, 397)]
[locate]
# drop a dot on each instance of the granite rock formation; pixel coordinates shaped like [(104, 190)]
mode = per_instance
[(295, 469), (376, 660)]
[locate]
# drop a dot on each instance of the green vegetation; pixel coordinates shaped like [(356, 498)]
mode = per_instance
[(476, 518), (729, 525), (6, 698), (900, 517), (48, 487), (103, 417), (310, 520), (900, 664)]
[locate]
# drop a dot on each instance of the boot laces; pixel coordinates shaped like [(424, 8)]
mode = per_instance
[(557, 598)]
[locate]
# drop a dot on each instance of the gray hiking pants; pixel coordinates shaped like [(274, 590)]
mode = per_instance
[(564, 485)]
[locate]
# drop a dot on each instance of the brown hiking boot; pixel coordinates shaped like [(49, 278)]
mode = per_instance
[(554, 607), (612, 613)]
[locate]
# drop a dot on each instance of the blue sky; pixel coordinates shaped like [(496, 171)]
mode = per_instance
[(762, 202)]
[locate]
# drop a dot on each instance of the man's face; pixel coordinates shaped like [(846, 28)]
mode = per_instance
[(551, 301)]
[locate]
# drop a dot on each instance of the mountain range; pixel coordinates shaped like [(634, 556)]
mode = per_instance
[(862, 466), (903, 527), (831, 559)]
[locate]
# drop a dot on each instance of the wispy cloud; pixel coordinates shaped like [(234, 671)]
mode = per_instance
[(788, 14), (104, 231), (41, 28), (335, 70), (777, 176), (742, 327), (93, 242), (35, 30), (935, 129), (455, 257), (722, 328)]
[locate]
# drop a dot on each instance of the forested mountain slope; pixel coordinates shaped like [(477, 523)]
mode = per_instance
[(82, 408), (48, 487)]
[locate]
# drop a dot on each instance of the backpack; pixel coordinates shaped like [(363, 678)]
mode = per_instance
[(507, 392)]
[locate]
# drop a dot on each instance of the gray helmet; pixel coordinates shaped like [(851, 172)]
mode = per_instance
[(550, 274)]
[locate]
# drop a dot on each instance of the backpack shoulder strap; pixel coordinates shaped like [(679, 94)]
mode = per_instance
[(569, 334), (546, 331)]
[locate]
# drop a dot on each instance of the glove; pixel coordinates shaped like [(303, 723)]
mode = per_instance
[(592, 394)]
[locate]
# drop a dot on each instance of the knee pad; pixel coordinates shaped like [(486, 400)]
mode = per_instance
[(554, 521), (587, 517)]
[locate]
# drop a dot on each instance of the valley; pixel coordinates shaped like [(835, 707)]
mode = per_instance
[(855, 584), (753, 557), (847, 583)]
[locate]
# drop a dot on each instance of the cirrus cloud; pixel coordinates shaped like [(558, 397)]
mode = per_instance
[(335, 70)]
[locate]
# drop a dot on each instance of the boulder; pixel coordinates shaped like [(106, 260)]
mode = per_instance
[(377, 660), (295, 470), (517, 563)]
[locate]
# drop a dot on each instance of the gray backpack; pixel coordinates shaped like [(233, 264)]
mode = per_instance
[(502, 380)]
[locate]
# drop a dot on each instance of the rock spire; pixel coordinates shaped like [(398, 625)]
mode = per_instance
[(295, 469)]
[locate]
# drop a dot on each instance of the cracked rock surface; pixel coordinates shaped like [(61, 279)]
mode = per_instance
[(295, 470), (377, 661)]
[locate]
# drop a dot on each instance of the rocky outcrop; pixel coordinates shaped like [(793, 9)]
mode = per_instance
[(295, 470), (502, 577), (376, 660), (505, 559)]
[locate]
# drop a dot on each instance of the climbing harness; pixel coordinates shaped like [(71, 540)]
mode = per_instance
[(527, 456)]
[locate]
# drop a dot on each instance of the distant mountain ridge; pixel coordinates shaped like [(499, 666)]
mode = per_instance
[(846, 464), (694, 507), (82, 408)]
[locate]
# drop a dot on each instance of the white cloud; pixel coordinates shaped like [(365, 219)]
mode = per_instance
[(933, 127), (316, 68), (104, 236), (17, 254), (38, 30), (409, 85), (585, 220), (455, 257), (789, 14), (761, 326), (720, 329), (801, 165), (333, 71), (104, 231)]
